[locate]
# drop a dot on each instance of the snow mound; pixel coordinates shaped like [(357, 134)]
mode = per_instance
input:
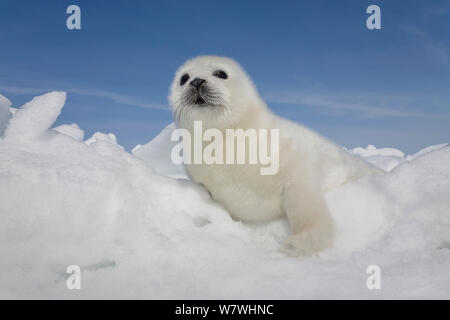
[(136, 233), (388, 158), (99, 136), (71, 130), (426, 150), (157, 153), (5, 114), (31, 121)]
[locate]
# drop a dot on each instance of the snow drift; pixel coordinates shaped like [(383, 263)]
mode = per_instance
[(137, 232), (5, 114)]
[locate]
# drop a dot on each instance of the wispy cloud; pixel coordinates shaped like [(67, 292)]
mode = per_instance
[(364, 106), (112, 96), (437, 50), (19, 90)]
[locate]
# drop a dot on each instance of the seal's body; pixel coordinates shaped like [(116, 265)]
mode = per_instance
[(216, 91)]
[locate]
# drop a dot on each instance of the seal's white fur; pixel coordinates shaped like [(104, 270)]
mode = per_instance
[(309, 163)]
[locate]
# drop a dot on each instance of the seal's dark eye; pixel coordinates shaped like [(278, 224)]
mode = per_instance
[(184, 78), (220, 74)]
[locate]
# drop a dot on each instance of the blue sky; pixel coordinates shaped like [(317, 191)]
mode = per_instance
[(314, 62)]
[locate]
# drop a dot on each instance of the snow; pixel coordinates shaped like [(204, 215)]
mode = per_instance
[(388, 158), (137, 232), (99, 136), (71, 130), (5, 114), (157, 153)]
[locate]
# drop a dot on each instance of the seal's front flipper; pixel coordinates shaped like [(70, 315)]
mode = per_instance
[(309, 218)]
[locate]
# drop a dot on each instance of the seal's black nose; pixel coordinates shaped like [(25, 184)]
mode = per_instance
[(197, 82)]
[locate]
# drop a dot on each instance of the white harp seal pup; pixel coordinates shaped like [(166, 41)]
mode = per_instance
[(218, 92)]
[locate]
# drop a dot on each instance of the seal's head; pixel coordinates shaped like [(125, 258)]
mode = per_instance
[(212, 89)]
